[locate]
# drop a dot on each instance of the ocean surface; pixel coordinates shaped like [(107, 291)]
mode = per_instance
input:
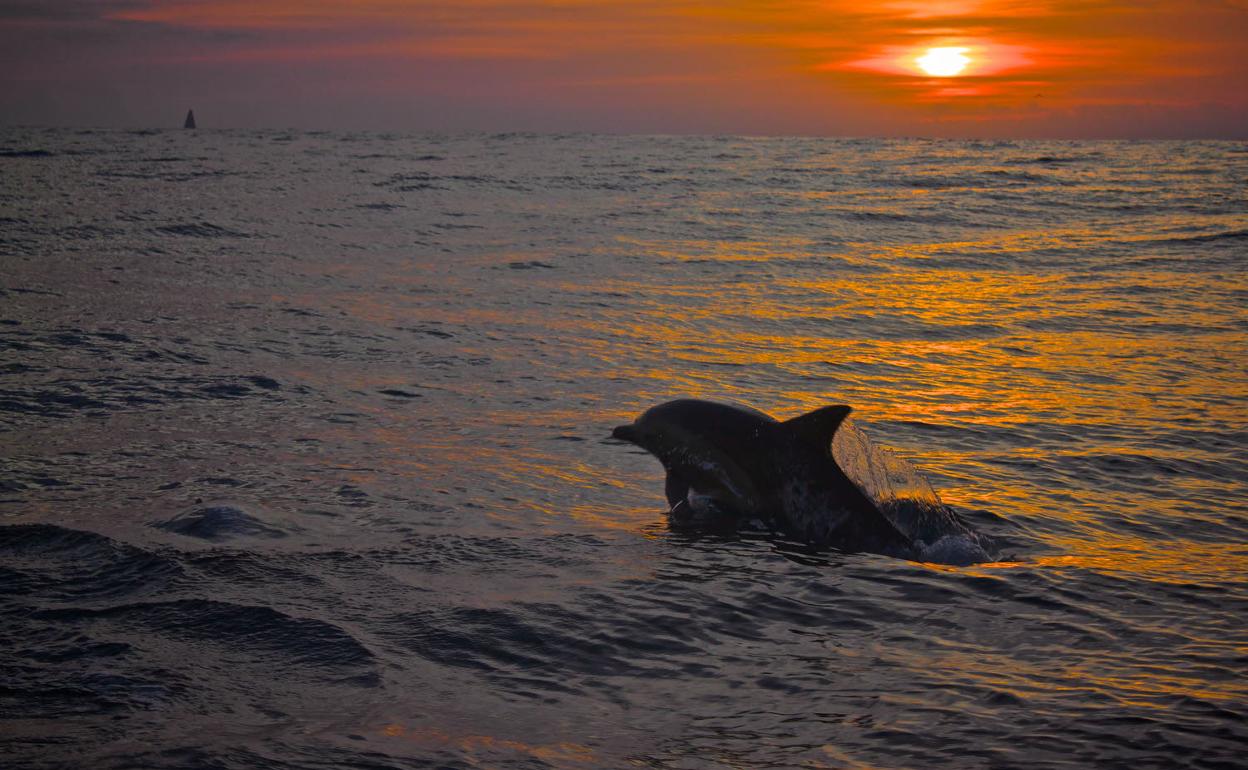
[(304, 456)]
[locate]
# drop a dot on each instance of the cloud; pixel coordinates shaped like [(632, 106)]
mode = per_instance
[(64, 10), (809, 66)]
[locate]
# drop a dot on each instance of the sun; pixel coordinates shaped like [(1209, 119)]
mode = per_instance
[(943, 62)]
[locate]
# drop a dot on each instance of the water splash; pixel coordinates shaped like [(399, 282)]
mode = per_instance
[(907, 498)]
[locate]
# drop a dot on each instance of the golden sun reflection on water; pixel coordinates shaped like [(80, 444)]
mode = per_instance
[(1176, 562), (1012, 372)]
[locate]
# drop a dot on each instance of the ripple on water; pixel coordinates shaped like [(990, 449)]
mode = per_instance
[(220, 522), (51, 564)]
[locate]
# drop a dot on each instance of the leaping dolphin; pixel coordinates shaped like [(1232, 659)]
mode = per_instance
[(727, 465)]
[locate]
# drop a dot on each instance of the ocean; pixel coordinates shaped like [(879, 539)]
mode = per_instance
[(305, 455)]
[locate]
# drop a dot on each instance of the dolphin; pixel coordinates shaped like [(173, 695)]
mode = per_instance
[(729, 464)]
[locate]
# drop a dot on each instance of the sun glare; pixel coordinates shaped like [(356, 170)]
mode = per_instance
[(943, 62)]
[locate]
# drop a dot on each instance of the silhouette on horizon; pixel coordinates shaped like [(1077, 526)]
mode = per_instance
[(190, 119)]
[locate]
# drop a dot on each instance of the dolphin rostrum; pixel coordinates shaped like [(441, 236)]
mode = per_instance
[(727, 465)]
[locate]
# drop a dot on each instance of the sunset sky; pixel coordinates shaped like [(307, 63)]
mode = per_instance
[(1046, 68)]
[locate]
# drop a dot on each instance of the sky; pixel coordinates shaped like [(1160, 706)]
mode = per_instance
[(1024, 68)]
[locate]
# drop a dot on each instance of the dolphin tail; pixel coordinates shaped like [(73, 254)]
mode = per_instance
[(818, 427)]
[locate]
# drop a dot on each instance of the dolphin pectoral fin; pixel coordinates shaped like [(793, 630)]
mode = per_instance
[(682, 516), (676, 489), (702, 512), (819, 426)]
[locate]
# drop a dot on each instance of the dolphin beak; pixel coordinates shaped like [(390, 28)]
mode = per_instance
[(625, 433)]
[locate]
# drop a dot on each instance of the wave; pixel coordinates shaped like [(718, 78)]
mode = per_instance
[(200, 230), (64, 399), (266, 632), (10, 153), (1229, 235), (49, 563), (218, 523)]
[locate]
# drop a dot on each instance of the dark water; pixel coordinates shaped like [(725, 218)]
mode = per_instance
[(304, 458)]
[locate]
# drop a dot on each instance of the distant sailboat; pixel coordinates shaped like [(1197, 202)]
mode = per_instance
[(190, 119)]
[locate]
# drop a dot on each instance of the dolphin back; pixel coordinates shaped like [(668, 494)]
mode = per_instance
[(818, 427), (821, 503)]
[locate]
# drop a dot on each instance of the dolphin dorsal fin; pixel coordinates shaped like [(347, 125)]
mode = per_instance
[(819, 426)]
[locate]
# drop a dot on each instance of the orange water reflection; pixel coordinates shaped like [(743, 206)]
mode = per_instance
[(988, 356), (492, 749), (941, 348)]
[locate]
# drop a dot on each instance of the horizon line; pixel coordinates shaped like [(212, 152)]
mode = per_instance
[(638, 134)]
